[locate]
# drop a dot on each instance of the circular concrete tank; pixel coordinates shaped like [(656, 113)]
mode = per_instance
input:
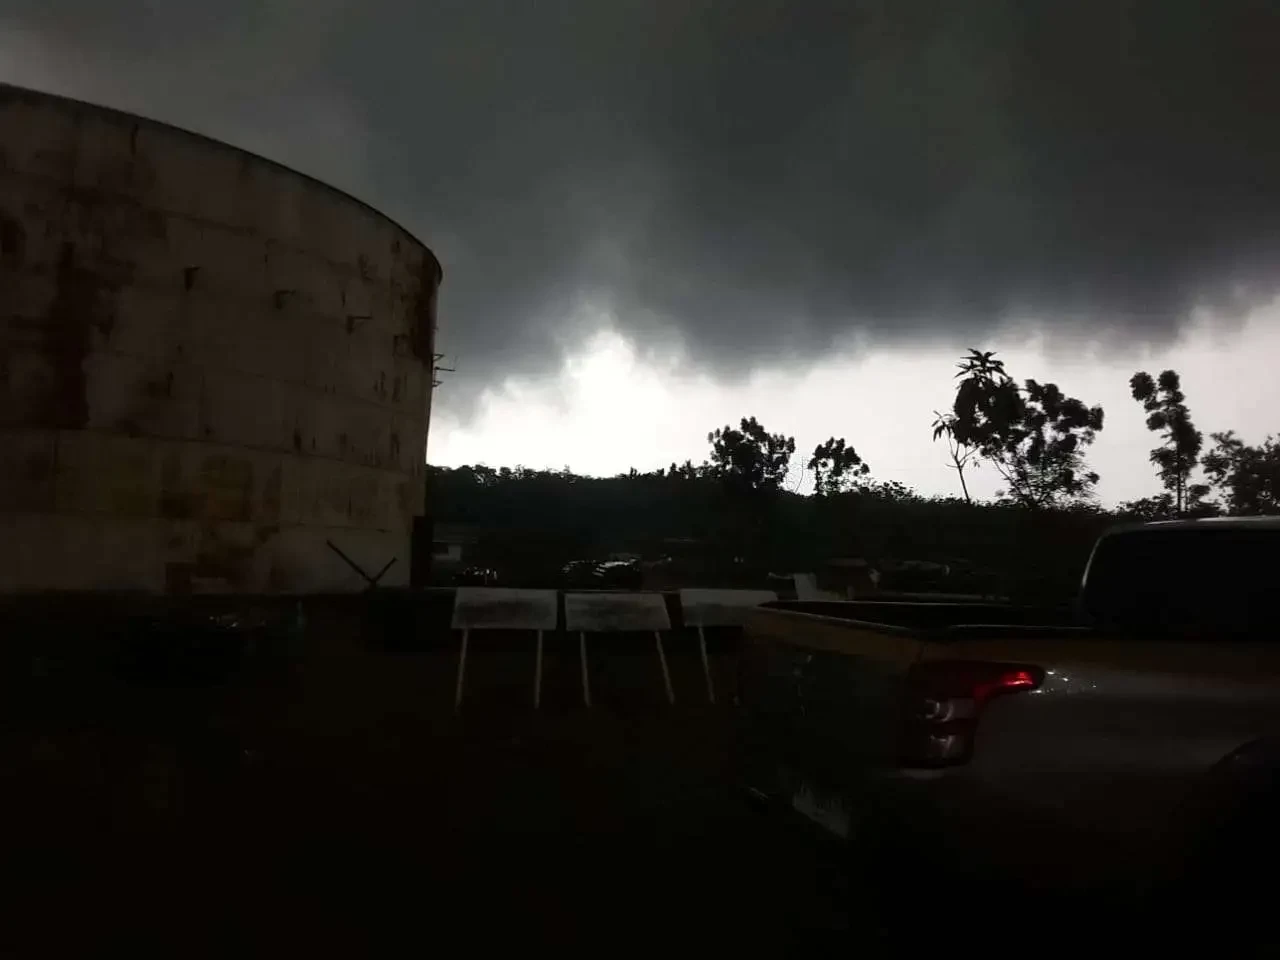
[(211, 367)]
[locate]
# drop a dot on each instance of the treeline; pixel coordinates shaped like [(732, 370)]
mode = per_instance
[(529, 523), (1036, 438), (738, 512)]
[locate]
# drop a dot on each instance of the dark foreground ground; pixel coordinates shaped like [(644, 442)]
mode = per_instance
[(388, 841), (331, 800)]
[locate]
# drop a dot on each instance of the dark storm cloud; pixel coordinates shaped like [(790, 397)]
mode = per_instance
[(755, 178)]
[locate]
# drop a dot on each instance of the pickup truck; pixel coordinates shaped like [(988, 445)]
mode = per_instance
[(1096, 746)]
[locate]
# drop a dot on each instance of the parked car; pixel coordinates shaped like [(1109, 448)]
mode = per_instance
[(476, 577), (603, 574), (1114, 745)]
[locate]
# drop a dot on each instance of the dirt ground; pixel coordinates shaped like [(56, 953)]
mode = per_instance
[(343, 804), (540, 836)]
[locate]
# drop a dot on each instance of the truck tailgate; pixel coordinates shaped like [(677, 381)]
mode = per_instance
[(824, 697), (1110, 749)]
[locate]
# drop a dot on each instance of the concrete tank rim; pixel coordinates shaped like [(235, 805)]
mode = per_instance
[(13, 90)]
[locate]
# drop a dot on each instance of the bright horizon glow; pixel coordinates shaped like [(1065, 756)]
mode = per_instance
[(608, 409)]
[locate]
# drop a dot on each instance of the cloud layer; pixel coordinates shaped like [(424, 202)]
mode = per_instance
[(750, 180)]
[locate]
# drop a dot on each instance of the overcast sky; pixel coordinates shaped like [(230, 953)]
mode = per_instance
[(657, 216)]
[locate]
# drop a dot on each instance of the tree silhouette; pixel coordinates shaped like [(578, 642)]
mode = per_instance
[(1249, 477), (1034, 436), (962, 455), (836, 467), (686, 471), (1178, 455), (750, 458), (1159, 507)]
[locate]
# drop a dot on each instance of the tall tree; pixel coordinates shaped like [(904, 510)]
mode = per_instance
[(750, 458), (962, 455), (1179, 453), (1034, 435), (1249, 477), (835, 467)]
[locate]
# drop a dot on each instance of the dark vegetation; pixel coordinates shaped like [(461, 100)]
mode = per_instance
[(738, 516)]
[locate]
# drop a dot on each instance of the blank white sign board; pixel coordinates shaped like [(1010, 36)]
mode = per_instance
[(500, 608), (613, 612), (720, 608)]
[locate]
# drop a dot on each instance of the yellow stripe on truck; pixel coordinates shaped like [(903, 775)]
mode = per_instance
[(1205, 658), (1242, 661), (809, 631)]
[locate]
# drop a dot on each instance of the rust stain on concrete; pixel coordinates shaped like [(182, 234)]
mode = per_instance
[(271, 496), (227, 483), (221, 490), (424, 311), (177, 502), (13, 241), (83, 301)]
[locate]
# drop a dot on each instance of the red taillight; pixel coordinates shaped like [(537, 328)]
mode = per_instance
[(1008, 679), (944, 701)]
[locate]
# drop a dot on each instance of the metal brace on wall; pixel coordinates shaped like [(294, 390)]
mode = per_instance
[(372, 581)]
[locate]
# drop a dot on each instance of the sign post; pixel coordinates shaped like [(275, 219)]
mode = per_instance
[(496, 608), (616, 613), (718, 608)]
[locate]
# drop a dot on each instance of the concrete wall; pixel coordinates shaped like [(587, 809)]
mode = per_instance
[(209, 365)]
